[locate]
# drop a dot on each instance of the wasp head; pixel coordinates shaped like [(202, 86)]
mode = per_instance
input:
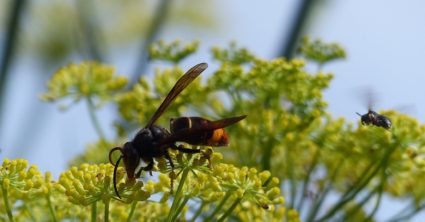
[(131, 159)]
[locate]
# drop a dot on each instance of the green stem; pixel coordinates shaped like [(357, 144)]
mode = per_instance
[(230, 210), (52, 211), (106, 213), (307, 179), (133, 207), (6, 203), (364, 175), (411, 210), (362, 202), (93, 212), (178, 195), (356, 189), (93, 117), (220, 205), (198, 212), (180, 208), (377, 204), (161, 14), (380, 192), (292, 182), (29, 212), (315, 206), (266, 157), (10, 44)]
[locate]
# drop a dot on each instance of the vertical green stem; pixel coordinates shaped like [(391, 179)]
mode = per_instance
[(307, 179), (133, 207), (198, 212), (220, 205), (292, 182), (356, 189), (93, 117), (6, 203), (93, 211), (316, 205), (178, 195), (180, 208), (52, 211), (28, 209), (230, 210), (106, 213)]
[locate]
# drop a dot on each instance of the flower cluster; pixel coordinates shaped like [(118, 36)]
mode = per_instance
[(85, 80), (92, 183), (172, 52), (320, 51), (233, 55), (21, 181)]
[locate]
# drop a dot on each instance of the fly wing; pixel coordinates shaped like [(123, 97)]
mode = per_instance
[(188, 132), (180, 85)]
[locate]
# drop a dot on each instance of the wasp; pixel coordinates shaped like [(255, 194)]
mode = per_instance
[(374, 118), (154, 141)]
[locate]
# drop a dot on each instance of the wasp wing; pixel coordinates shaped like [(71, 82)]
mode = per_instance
[(188, 132), (180, 85)]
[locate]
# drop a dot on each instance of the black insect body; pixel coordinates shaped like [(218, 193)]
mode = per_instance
[(154, 141), (216, 137), (376, 119)]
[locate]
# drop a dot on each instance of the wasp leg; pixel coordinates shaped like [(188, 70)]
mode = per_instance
[(167, 156), (185, 150), (149, 168)]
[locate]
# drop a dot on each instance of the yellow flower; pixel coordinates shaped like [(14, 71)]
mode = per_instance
[(91, 183)]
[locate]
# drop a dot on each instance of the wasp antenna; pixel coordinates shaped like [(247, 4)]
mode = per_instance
[(115, 176), (358, 114), (110, 154)]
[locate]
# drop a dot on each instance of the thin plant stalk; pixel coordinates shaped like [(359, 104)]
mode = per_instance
[(160, 17), (377, 203), (307, 179), (219, 206), (106, 212), (377, 190), (93, 117), (198, 212), (93, 212), (178, 194), (412, 209), (51, 210), (28, 209), (315, 206), (9, 45), (356, 189), (230, 210), (180, 208), (6, 204), (133, 207), (292, 182)]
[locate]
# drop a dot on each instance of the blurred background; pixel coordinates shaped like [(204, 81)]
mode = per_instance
[(384, 41)]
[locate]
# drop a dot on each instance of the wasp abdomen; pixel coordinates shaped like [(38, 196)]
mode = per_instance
[(214, 137)]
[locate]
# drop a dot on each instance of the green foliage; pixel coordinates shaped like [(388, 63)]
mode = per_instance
[(85, 80), (234, 54), (172, 52), (321, 52), (288, 146)]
